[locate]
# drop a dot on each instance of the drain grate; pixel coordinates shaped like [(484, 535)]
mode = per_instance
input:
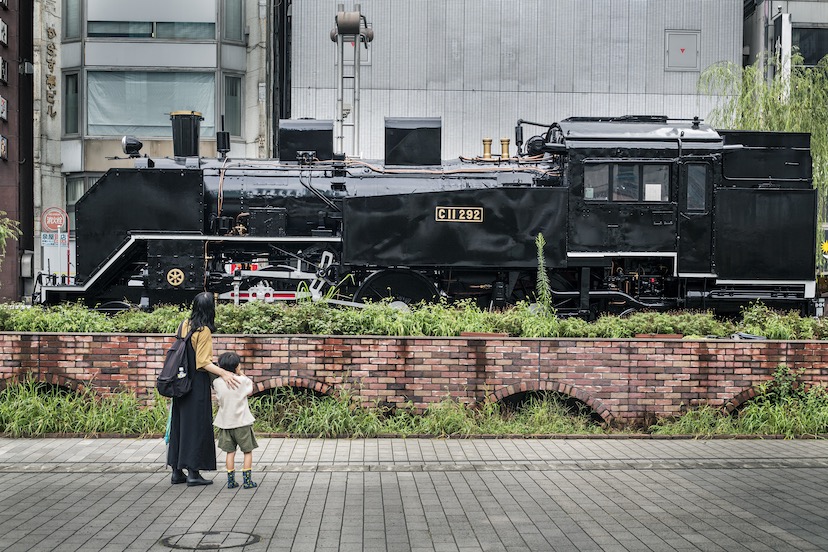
[(210, 540)]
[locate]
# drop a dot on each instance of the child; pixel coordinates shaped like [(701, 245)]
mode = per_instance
[(235, 422)]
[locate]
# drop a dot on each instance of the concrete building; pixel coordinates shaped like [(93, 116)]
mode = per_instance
[(776, 27), (106, 68)]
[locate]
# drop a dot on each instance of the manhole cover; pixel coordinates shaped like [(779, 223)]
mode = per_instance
[(210, 540)]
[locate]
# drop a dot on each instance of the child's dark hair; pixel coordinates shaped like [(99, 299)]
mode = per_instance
[(229, 361)]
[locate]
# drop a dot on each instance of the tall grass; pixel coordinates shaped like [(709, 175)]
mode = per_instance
[(782, 406), (290, 412), (30, 408)]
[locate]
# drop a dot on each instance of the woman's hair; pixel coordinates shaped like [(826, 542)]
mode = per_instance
[(204, 312)]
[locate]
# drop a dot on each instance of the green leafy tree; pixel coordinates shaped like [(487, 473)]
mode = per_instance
[(794, 103), (9, 229)]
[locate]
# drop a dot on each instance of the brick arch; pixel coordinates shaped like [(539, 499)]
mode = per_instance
[(302, 383), (539, 386), (740, 399)]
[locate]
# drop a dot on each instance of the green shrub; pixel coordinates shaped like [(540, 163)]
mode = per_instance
[(437, 319), (759, 319), (163, 319)]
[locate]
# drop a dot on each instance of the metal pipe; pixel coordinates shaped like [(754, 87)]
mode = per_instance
[(340, 45), (355, 112)]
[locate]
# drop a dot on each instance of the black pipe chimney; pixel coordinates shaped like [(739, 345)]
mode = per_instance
[(186, 126)]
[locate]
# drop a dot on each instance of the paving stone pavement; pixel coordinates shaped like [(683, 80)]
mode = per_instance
[(422, 494)]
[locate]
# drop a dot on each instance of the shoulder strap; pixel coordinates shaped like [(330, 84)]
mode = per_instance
[(178, 332)]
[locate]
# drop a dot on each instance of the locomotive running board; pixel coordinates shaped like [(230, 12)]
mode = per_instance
[(133, 239), (809, 286)]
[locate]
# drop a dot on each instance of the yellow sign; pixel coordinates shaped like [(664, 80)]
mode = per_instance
[(458, 214)]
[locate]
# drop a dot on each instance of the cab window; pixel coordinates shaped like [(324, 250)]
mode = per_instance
[(627, 182)]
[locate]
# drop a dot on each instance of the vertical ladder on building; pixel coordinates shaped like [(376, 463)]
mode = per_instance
[(349, 27)]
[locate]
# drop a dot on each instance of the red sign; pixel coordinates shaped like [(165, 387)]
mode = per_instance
[(53, 219)]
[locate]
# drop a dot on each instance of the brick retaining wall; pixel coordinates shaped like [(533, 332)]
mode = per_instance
[(623, 380)]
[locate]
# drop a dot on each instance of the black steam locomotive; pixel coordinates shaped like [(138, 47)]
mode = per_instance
[(637, 212)]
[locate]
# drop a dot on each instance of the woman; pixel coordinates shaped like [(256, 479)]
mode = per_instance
[(191, 444)]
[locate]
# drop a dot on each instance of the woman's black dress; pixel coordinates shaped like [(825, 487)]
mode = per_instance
[(192, 445)]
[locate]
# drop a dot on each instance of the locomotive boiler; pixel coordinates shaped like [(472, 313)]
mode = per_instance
[(637, 212)]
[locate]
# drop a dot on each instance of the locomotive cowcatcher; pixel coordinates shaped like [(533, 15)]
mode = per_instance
[(637, 212)]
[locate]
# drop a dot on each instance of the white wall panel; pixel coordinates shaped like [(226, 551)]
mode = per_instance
[(655, 47), (455, 26), (562, 47), (472, 50), (617, 49), (585, 71), (530, 24), (434, 47), (147, 54), (600, 46), (639, 43)]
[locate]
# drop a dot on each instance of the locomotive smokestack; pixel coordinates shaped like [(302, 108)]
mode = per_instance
[(186, 126)]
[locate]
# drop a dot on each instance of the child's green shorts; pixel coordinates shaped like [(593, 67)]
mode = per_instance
[(229, 439)]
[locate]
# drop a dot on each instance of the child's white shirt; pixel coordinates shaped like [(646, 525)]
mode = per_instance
[(233, 410)]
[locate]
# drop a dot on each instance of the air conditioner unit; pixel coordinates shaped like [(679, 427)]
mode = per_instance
[(4, 33), (4, 71)]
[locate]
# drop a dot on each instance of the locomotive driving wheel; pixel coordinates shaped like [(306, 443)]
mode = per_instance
[(399, 285), (175, 277)]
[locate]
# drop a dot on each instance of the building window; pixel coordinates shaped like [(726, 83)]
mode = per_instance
[(119, 29), (233, 105), (71, 104), (627, 182), (140, 102), (76, 186), (812, 43), (71, 19), (185, 31), (232, 27), (150, 29)]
